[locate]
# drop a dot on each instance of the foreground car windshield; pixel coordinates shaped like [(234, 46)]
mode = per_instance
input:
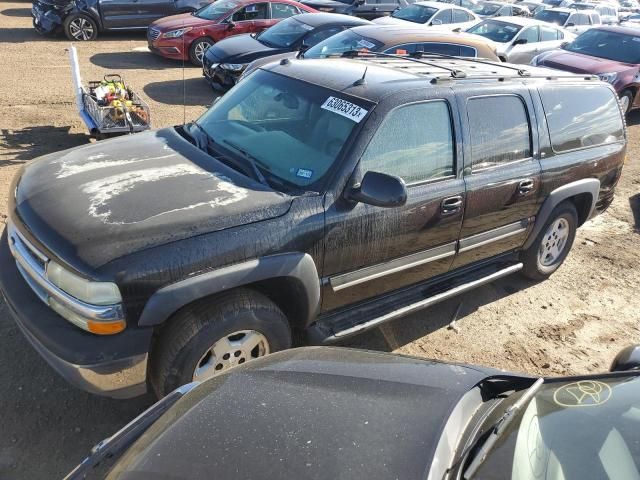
[(552, 17), (486, 8), (346, 41), (415, 13), (610, 45), (284, 34), (215, 10), (293, 130), (586, 429), (497, 31)]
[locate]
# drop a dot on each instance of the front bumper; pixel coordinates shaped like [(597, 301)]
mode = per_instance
[(219, 78), (113, 366), (46, 19), (168, 48)]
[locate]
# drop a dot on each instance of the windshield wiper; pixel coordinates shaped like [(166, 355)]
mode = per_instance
[(251, 160), (499, 427)]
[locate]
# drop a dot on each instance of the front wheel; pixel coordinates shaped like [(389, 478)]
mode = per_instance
[(209, 337), (626, 101), (197, 50), (552, 245), (80, 27)]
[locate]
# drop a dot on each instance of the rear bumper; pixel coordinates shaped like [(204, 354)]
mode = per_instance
[(113, 366)]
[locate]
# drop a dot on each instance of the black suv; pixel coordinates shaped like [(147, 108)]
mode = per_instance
[(315, 200)]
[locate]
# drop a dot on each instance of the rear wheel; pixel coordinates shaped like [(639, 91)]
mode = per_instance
[(80, 27), (197, 49), (626, 101), (209, 337)]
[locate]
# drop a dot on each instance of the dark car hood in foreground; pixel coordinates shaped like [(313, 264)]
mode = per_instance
[(313, 413), (92, 204), (239, 49), (579, 63)]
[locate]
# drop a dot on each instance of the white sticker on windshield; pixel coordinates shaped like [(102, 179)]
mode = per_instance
[(344, 108), (366, 44)]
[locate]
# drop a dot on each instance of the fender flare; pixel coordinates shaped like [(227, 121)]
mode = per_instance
[(298, 266), (586, 185)]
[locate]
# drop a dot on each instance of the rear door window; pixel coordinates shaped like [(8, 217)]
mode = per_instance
[(256, 11), (529, 34), (460, 16), (548, 34), (499, 129), (444, 16), (283, 10), (581, 117)]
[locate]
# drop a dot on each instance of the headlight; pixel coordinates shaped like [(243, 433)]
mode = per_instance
[(94, 293), (608, 77), (234, 67), (176, 33)]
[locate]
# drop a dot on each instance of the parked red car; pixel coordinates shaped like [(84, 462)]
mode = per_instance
[(612, 53), (187, 36)]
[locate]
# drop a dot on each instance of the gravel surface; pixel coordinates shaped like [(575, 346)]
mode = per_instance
[(573, 323)]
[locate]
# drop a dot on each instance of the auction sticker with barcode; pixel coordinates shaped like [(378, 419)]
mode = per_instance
[(344, 108)]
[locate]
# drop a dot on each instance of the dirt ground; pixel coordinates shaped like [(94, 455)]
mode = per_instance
[(573, 323)]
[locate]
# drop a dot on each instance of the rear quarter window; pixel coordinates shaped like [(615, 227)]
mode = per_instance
[(582, 117)]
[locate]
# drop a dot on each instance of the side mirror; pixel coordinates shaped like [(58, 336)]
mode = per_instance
[(303, 48), (627, 359), (521, 41), (564, 44), (570, 24), (380, 190), (359, 2), (231, 25)]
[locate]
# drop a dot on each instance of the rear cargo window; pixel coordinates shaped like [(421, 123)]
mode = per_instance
[(500, 131), (581, 118), (415, 142)]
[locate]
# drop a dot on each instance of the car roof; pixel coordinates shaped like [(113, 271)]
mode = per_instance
[(521, 21), (386, 74), (401, 33), (323, 18)]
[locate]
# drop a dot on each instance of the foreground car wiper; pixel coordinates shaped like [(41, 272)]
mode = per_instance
[(251, 160), (499, 427)]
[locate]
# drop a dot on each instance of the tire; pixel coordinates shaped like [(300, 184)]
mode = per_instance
[(541, 259), (197, 49), (80, 27), (184, 350), (626, 100)]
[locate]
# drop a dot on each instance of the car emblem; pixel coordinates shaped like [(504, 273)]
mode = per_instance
[(585, 393)]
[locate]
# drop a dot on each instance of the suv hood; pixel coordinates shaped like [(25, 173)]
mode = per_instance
[(579, 63), (311, 413), (93, 204)]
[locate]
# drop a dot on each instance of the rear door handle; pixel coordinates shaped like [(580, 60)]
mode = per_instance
[(451, 205), (526, 186)]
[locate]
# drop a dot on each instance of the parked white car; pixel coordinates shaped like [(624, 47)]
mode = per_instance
[(442, 15), (608, 11), (488, 9), (520, 39), (574, 21)]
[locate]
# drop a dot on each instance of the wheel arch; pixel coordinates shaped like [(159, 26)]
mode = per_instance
[(290, 280), (584, 195)]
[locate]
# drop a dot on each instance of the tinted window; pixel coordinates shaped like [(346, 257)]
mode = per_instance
[(485, 8), (216, 9), (548, 34), (415, 13), (620, 47), (257, 11), (499, 131), (496, 30), (581, 118), (504, 11), (530, 34), (415, 142), (284, 33), (552, 17), (283, 10), (319, 35), (444, 16), (460, 16), (346, 41)]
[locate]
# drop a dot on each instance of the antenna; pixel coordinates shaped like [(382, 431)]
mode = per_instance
[(361, 81)]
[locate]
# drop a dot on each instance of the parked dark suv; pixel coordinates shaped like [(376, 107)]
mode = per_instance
[(82, 20), (315, 200)]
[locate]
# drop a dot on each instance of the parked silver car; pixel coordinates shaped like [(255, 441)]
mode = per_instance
[(520, 39), (574, 21)]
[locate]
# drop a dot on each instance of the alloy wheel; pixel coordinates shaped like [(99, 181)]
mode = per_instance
[(234, 349), (624, 103), (553, 242), (81, 29), (199, 50)]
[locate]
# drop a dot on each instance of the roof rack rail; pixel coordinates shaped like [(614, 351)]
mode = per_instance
[(459, 74)]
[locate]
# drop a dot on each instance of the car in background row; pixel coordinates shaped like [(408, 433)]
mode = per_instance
[(534, 6), (468, 4), (571, 20), (83, 20), (608, 12), (392, 39), (225, 61), (611, 52), (520, 39), (326, 413), (188, 36), (632, 21), (368, 9), (431, 14), (501, 9)]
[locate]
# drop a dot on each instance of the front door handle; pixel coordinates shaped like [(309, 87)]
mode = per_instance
[(451, 205), (526, 186)]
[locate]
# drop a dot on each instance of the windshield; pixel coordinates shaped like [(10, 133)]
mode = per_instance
[(347, 41), (496, 30), (615, 46), (552, 17), (586, 429), (486, 8), (284, 34), (215, 10), (415, 13), (291, 129)]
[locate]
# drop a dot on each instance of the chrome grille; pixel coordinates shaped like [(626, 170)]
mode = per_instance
[(25, 253), (153, 34)]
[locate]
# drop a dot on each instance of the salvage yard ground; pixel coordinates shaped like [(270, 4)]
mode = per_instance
[(573, 323)]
